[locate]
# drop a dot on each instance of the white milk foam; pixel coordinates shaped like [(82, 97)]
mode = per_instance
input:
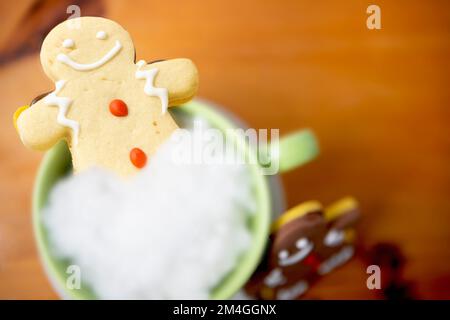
[(171, 232)]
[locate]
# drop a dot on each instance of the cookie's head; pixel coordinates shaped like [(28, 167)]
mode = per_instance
[(307, 233), (295, 236), (87, 44)]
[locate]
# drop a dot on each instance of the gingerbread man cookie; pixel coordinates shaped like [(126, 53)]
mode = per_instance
[(306, 243), (111, 110)]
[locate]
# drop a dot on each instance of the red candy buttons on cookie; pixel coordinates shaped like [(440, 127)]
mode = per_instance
[(118, 108), (138, 158)]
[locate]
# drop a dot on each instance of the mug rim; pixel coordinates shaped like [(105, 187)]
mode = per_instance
[(57, 161)]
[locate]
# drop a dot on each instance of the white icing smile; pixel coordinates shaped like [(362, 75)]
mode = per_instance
[(305, 247), (90, 66), (336, 260)]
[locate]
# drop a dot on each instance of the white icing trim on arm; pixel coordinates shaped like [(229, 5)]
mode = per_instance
[(149, 89), (63, 104), (90, 66)]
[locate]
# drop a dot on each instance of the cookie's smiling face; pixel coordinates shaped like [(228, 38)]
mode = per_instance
[(74, 49), (303, 248), (70, 44), (296, 240)]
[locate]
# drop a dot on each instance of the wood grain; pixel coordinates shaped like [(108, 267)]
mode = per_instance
[(378, 101)]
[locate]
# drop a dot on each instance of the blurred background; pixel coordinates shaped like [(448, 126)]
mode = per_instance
[(378, 101)]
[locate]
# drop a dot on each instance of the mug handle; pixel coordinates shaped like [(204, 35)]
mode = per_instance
[(297, 149)]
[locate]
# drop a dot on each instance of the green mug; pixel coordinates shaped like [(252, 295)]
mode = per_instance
[(294, 150)]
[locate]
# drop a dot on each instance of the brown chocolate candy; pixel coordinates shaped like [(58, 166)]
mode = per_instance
[(305, 243)]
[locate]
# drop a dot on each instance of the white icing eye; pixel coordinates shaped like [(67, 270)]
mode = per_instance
[(68, 43), (334, 238), (101, 35), (301, 243), (283, 254)]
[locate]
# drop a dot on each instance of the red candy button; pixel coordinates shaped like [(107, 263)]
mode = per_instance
[(138, 157), (313, 261), (118, 108)]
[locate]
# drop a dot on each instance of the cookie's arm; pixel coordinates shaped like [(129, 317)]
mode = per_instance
[(37, 126), (179, 77), (343, 213)]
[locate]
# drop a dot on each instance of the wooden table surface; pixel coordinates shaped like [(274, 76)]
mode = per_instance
[(377, 99)]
